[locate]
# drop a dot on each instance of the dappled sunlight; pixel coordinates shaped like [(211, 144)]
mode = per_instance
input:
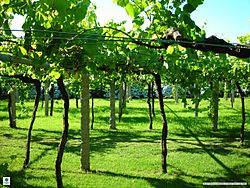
[(131, 154)]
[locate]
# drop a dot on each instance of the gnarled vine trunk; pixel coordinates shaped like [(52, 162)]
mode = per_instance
[(149, 107), (120, 101), (11, 110), (51, 93), (122, 98), (243, 114), (176, 93), (232, 94), (164, 123), (77, 103), (13, 107), (38, 94), (153, 99), (196, 100), (64, 137), (46, 99), (112, 105)]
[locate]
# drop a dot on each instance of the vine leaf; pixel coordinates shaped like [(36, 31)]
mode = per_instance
[(60, 6), (130, 10), (170, 50)]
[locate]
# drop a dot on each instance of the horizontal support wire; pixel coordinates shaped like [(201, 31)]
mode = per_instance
[(104, 38)]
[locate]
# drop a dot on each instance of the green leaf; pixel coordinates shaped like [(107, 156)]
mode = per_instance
[(170, 50), (188, 8), (7, 27), (178, 10), (132, 46), (195, 3), (81, 10), (5, 2), (188, 20), (122, 3), (138, 21), (54, 74), (60, 6), (47, 25), (130, 10), (22, 50), (203, 33)]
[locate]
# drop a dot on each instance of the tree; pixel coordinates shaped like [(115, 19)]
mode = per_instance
[(64, 137), (149, 107), (112, 123), (12, 107), (164, 123), (60, 34)]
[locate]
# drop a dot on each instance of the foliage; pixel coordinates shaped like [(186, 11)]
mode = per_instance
[(64, 38)]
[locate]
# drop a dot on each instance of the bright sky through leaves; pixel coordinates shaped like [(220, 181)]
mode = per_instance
[(226, 19)]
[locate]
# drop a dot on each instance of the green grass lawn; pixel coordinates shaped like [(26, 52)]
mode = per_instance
[(131, 155)]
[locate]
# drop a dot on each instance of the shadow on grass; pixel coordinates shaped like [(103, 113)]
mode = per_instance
[(199, 127), (154, 182), (236, 110), (143, 119), (105, 140), (225, 176), (229, 173), (17, 178)]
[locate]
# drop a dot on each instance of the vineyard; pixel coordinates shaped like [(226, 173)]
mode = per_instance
[(193, 86)]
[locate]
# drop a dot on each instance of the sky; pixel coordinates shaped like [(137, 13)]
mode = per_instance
[(226, 19)]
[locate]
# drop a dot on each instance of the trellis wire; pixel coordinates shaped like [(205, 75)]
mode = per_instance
[(118, 39)]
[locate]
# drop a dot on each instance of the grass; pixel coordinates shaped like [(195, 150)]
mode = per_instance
[(131, 155)]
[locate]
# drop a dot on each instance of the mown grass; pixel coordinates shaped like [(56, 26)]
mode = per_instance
[(131, 155)]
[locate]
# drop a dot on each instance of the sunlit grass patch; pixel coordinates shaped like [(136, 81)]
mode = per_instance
[(131, 155)]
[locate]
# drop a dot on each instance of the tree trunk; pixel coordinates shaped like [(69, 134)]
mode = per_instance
[(226, 90), (176, 94), (243, 114), (128, 95), (124, 96), (46, 99), (85, 145), (196, 100), (153, 99), (214, 103), (77, 104), (64, 137), (38, 94), (184, 100), (149, 108), (112, 105), (12, 123), (43, 96), (51, 93), (12, 102), (196, 108), (164, 123), (120, 101), (92, 111), (232, 95)]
